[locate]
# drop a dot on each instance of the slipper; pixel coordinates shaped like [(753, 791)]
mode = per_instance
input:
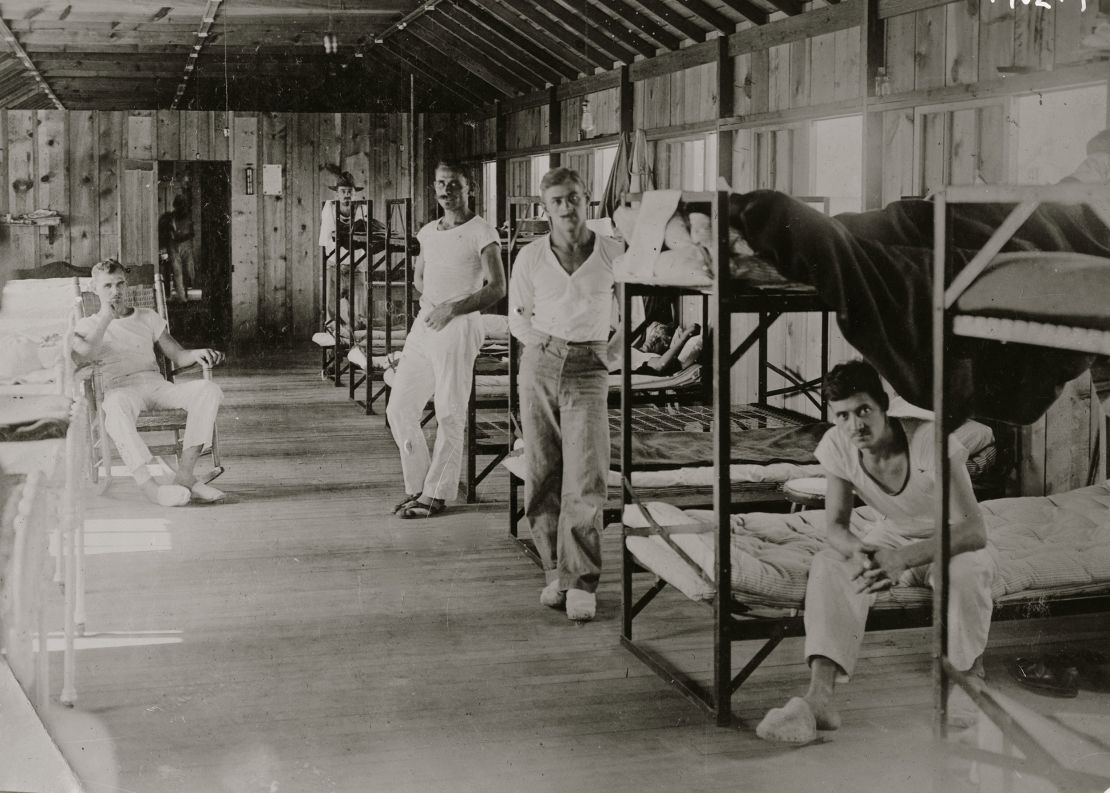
[(409, 501), (1093, 667), (581, 605), (206, 493), (418, 509), (1036, 674), (793, 723), (553, 597), (173, 495)]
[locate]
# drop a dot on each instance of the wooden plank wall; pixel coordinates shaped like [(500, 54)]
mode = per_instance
[(948, 45), (72, 161)]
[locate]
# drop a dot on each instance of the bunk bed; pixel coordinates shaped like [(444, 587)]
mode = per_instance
[(752, 568), (1051, 301), (379, 348), (671, 416), (338, 328)]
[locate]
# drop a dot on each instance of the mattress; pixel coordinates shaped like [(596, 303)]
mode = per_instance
[(498, 385), (377, 336), (692, 477), (1045, 547), (1055, 288), (357, 356)]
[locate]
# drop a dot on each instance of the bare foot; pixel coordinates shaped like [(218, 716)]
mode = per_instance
[(828, 718)]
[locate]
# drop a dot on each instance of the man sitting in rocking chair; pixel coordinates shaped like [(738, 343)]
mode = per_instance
[(122, 338)]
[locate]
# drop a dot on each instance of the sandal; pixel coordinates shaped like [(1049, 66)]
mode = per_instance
[(1040, 674), (409, 501), (418, 509)]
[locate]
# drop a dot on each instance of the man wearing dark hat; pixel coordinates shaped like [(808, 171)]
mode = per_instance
[(336, 219)]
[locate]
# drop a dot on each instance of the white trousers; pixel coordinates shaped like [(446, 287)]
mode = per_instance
[(835, 614), (150, 391), (436, 365)]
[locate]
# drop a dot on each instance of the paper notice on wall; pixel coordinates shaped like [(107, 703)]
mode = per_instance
[(271, 180)]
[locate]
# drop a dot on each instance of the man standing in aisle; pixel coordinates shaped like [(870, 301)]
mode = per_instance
[(560, 307), (458, 274)]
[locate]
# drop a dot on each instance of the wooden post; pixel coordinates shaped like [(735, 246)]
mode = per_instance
[(627, 94), (502, 165), (554, 125), (871, 45), (725, 104)]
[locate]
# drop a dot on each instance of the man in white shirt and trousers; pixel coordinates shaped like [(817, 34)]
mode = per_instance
[(458, 274), (560, 307)]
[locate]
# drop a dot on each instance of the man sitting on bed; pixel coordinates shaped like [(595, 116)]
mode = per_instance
[(889, 463), (122, 339)]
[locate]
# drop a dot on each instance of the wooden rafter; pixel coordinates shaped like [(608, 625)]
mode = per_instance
[(446, 81), (502, 57), (701, 9), (530, 11), (642, 22), (477, 61), (757, 15), (493, 10), (671, 17), (28, 66), (601, 24), (452, 59), (208, 17), (788, 7), (466, 17)]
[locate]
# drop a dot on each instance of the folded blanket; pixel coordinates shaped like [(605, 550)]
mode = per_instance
[(875, 269)]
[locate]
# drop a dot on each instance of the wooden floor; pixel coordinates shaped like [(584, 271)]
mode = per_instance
[(300, 638)]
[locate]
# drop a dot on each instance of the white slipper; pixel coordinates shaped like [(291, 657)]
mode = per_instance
[(207, 493), (552, 596), (794, 723), (581, 605), (173, 495)]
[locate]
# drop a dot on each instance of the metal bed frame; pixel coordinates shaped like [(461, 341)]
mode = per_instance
[(725, 300), (946, 324), (392, 276), (332, 366)]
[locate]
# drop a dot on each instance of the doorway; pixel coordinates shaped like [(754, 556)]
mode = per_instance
[(194, 241)]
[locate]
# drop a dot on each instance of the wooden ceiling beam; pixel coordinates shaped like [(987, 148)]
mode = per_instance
[(642, 22), (12, 44), (465, 18), (715, 18), (505, 56), (476, 63), (616, 29), (449, 68), (598, 33), (445, 82), (523, 35), (754, 13), (591, 52), (513, 20), (669, 16), (788, 7)]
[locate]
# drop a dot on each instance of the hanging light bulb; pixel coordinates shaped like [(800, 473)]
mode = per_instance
[(586, 125), (331, 43)]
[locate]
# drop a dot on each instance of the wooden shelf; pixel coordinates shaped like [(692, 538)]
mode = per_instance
[(52, 220)]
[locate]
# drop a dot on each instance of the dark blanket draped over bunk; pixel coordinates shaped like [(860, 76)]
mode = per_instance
[(875, 270)]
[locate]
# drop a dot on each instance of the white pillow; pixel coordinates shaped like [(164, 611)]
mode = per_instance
[(690, 351)]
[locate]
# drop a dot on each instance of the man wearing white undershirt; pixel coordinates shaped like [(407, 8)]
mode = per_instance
[(560, 306), (458, 274)]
